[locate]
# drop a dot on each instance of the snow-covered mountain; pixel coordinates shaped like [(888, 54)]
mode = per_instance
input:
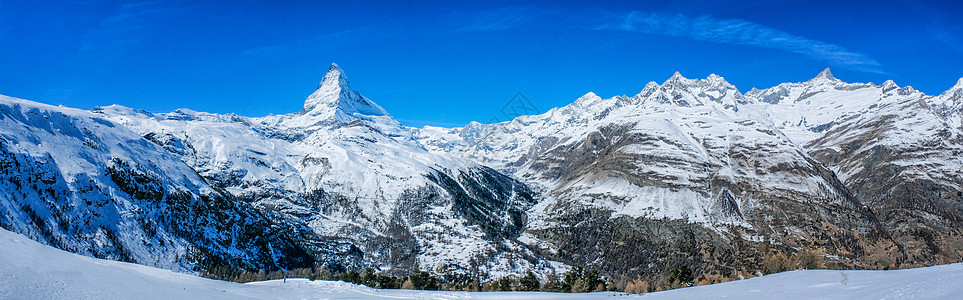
[(82, 183), (346, 169), (898, 151), (690, 172), (693, 172)]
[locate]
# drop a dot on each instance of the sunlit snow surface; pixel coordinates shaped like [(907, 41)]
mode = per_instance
[(29, 270)]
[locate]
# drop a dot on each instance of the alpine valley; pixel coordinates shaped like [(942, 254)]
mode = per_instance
[(690, 173)]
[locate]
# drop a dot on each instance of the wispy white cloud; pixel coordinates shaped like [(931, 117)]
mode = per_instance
[(741, 32), (120, 31), (308, 46), (941, 28), (103, 46), (494, 20), (947, 38)]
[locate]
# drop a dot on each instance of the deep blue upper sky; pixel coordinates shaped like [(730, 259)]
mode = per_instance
[(450, 63)]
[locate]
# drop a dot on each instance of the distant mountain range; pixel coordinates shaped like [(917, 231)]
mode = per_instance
[(690, 172)]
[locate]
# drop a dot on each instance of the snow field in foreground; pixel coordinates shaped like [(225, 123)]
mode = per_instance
[(29, 270)]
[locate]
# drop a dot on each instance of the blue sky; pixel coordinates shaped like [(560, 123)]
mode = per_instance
[(446, 63)]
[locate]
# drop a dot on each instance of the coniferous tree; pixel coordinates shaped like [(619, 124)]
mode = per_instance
[(529, 282)]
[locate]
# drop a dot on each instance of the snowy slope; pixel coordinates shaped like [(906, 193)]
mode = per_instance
[(923, 283), (34, 271)]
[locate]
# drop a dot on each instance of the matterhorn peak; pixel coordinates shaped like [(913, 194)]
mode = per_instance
[(334, 78), (824, 75), (334, 97)]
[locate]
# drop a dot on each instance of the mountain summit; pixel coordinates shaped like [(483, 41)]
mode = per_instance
[(825, 75), (334, 98)]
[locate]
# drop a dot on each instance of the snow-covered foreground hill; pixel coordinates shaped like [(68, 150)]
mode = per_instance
[(34, 271)]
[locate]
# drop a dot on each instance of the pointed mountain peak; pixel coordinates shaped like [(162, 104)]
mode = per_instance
[(650, 87), (889, 85), (824, 75), (588, 98), (335, 76), (676, 81), (335, 95), (716, 80), (955, 93), (589, 95), (648, 90)]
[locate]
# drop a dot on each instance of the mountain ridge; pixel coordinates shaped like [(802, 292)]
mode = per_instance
[(691, 172), (656, 144)]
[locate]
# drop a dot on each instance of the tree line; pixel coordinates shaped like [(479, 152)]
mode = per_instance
[(576, 280)]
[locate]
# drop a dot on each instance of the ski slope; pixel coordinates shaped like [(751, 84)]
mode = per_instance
[(29, 270)]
